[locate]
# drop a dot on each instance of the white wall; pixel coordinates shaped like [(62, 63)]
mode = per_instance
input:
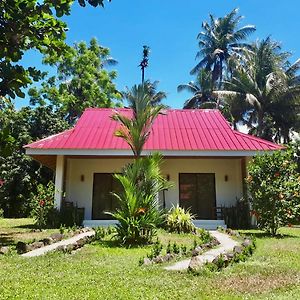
[(80, 192)]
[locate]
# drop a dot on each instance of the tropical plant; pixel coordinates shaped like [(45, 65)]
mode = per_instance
[(201, 90), (265, 83), (135, 128), (138, 213), (180, 220), (274, 186), (81, 81), (219, 39)]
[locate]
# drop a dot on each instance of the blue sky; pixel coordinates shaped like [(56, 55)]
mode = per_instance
[(170, 28)]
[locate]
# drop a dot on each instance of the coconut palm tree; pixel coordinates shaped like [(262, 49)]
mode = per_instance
[(201, 90), (219, 39), (264, 81)]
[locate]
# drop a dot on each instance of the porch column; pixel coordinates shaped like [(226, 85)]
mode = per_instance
[(59, 181)]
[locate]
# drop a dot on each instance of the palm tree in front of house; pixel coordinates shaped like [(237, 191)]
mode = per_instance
[(139, 213)]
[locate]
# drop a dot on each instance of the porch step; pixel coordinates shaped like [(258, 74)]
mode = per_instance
[(206, 224), (97, 223), (209, 224)]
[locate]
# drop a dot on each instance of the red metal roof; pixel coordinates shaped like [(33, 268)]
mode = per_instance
[(176, 129)]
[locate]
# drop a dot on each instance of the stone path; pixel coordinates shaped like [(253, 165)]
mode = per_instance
[(45, 249), (226, 244)]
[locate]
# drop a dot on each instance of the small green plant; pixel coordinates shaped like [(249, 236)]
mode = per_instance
[(204, 236), (169, 248), (176, 248), (1, 213), (155, 250), (62, 229), (180, 220), (183, 249), (100, 233)]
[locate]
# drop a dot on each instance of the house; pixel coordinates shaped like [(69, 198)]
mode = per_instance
[(203, 156)]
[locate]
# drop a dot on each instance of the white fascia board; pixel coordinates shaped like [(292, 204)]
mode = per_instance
[(94, 152)]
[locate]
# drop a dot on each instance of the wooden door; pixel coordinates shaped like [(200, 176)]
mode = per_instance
[(103, 200), (197, 192)]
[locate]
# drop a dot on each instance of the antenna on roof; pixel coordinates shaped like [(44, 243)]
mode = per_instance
[(144, 62)]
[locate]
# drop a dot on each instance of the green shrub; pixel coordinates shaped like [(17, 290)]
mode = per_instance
[(180, 220), (43, 208), (274, 186)]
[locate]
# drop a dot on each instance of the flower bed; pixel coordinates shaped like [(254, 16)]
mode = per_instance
[(161, 254)]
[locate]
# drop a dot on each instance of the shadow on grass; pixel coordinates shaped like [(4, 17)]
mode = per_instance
[(262, 235), (6, 240)]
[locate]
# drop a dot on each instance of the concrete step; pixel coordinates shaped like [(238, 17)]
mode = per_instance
[(206, 224), (97, 223), (209, 224)]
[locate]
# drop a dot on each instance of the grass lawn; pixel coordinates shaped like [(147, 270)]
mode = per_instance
[(14, 230), (102, 272)]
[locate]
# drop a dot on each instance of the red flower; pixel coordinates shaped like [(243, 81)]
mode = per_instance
[(1, 182), (42, 203)]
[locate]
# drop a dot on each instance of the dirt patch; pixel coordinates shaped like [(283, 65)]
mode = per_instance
[(258, 283)]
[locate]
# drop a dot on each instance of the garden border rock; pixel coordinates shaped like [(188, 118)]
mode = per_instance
[(66, 245), (23, 247)]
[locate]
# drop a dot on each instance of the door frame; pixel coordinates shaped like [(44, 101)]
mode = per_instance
[(213, 214)]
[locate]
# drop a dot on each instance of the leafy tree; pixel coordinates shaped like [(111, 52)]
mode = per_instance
[(81, 81), (274, 186), (220, 39), (25, 25), (19, 172)]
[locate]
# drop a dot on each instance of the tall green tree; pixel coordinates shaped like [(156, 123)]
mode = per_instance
[(265, 83), (19, 172), (220, 38), (81, 82), (202, 90), (25, 25)]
